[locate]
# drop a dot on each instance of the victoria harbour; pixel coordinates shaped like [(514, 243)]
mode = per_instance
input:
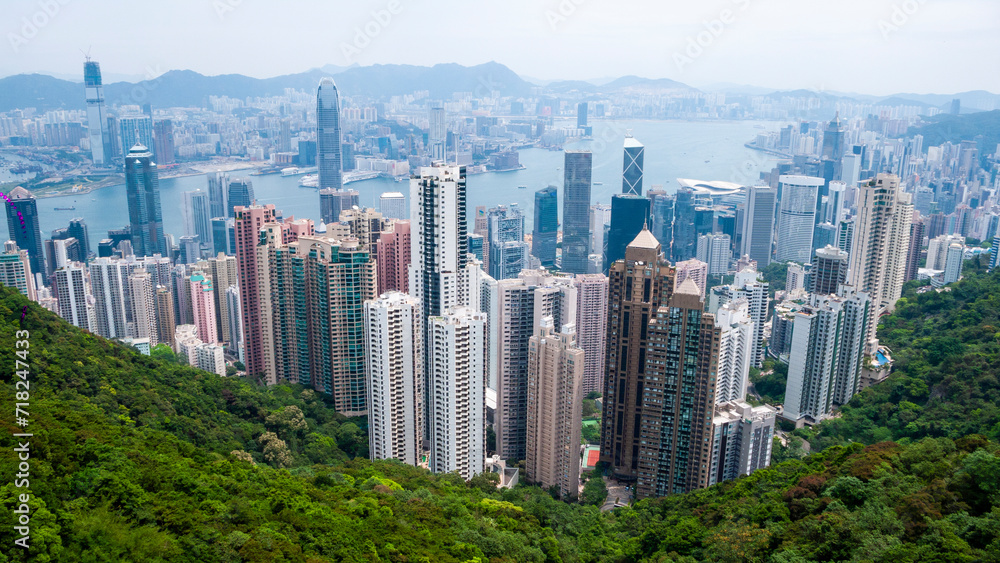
[(703, 150)]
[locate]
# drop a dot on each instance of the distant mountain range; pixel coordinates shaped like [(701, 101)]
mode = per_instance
[(186, 88)]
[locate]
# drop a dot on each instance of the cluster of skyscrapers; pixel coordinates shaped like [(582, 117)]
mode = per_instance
[(437, 325)]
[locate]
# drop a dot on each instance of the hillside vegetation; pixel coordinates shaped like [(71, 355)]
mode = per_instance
[(137, 459)]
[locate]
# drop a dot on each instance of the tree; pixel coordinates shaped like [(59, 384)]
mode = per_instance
[(594, 492), (288, 421), (487, 481), (163, 352), (275, 450)]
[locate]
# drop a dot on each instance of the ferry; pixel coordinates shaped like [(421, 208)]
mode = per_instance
[(598, 183), (64, 208), (290, 171), (522, 187), (309, 181)]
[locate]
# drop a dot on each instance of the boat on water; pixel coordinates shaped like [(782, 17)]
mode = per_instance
[(290, 171), (64, 208), (522, 187), (309, 181), (598, 183)]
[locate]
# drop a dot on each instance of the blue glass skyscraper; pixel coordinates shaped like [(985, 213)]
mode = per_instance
[(543, 237), (632, 167), (97, 119), (576, 211), (684, 229), (629, 215), (142, 187), (30, 236), (328, 153)]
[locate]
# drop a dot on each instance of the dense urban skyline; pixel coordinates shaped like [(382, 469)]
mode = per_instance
[(732, 41)]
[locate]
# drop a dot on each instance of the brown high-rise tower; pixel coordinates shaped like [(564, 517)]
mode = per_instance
[(679, 396), (638, 285)]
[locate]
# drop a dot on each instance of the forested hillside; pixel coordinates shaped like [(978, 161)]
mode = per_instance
[(946, 379), (137, 459)]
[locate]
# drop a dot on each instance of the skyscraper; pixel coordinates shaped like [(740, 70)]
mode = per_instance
[(393, 254), (218, 194), (203, 308), (235, 321), (592, 326), (600, 222), (684, 242), (78, 230), (394, 377), (677, 394), (735, 340), (332, 202), (107, 280), (165, 323), (15, 270), (953, 263), (795, 278), (748, 285), (163, 136), (797, 218), (366, 225), (143, 307), (632, 168), (758, 224), (829, 271), (629, 215), (916, 245), (28, 237), (694, 270), (239, 194), (197, 216), (456, 377), (438, 238), (576, 206), (142, 187), (508, 251), (437, 134), (638, 285), (714, 250), (69, 287), (662, 213), (521, 304), (546, 226), (313, 311), (97, 121), (741, 440), (827, 348), (881, 240), (555, 401), (220, 235), (393, 205), (581, 115), (136, 130), (328, 153), (249, 221)]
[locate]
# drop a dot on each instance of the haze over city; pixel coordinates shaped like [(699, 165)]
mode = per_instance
[(567, 280), (840, 46)]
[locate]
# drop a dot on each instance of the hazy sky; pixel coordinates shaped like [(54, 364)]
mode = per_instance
[(867, 46)]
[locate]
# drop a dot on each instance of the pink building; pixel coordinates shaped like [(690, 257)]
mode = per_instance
[(292, 229), (694, 269), (249, 221), (393, 256), (203, 308)]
